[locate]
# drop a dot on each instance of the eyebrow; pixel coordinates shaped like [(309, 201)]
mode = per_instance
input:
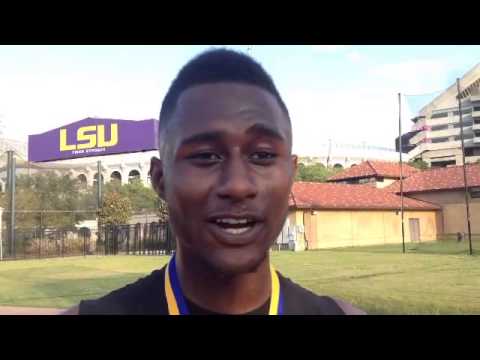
[(215, 136), (261, 129), (212, 136)]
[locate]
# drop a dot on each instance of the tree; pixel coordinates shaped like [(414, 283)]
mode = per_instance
[(141, 197), (315, 172), (44, 193), (419, 164), (162, 211), (116, 209)]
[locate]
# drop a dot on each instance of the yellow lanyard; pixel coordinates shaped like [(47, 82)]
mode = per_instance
[(176, 301)]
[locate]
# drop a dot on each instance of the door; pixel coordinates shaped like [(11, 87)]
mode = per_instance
[(414, 230)]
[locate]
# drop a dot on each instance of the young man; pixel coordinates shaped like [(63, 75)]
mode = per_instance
[(226, 171)]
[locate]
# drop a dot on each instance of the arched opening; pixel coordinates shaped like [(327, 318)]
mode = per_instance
[(116, 177), (95, 178), (338, 166), (82, 179), (353, 165), (133, 175)]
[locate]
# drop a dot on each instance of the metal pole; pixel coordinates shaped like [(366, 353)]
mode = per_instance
[(12, 202), (400, 145), (99, 184), (99, 200), (1, 237), (9, 180), (464, 169), (41, 228)]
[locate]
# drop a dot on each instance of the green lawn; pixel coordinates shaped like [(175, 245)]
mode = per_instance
[(428, 279)]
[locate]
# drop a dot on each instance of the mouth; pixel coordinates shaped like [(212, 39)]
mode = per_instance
[(235, 230)]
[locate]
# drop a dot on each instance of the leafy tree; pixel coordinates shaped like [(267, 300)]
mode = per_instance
[(419, 164), (142, 197), (315, 172), (46, 192), (116, 209)]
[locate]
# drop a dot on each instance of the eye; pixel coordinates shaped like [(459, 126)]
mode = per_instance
[(205, 158), (263, 157)]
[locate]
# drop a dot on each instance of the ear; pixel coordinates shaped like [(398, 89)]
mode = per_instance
[(294, 160), (156, 175)]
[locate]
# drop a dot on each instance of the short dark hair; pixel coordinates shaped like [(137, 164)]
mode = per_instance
[(213, 66)]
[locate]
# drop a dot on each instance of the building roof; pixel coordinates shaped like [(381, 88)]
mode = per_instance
[(449, 178), (313, 195), (374, 168), (448, 98)]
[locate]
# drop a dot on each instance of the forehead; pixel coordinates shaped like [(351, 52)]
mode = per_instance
[(212, 106)]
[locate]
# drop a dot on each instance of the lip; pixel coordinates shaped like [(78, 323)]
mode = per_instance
[(235, 240), (251, 216)]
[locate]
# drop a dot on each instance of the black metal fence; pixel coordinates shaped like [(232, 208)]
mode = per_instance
[(46, 243), (154, 238)]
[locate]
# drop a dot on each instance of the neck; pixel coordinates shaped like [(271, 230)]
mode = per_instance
[(226, 294)]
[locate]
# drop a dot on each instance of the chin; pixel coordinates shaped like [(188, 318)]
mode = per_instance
[(235, 262)]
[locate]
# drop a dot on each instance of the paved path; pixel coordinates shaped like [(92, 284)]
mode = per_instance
[(16, 310)]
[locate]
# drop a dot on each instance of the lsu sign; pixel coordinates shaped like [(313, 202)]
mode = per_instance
[(93, 137), (92, 140)]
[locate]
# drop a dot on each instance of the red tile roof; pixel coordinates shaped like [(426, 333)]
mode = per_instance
[(312, 195), (369, 168), (449, 178)]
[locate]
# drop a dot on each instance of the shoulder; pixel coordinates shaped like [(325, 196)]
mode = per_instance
[(301, 301), (144, 296)]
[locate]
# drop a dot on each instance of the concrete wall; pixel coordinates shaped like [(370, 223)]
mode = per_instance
[(337, 228), (454, 211)]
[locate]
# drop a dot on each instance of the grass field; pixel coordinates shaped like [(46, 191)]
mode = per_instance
[(431, 278)]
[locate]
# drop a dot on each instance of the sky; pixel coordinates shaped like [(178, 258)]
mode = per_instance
[(344, 93)]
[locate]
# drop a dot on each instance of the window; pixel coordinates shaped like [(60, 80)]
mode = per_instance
[(465, 124), (116, 176), (476, 108), (364, 180), (474, 192), (439, 140), (464, 112), (439, 115), (133, 175), (439, 127), (82, 179), (465, 137)]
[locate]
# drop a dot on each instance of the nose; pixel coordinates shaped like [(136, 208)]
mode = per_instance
[(236, 181)]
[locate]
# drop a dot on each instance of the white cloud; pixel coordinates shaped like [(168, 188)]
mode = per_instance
[(355, 56), (347, 116), (415, 76)]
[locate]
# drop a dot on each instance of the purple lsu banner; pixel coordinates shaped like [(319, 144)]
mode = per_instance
[(93, 137)]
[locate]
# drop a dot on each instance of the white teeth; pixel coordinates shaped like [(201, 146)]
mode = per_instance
[(237, 231), (232, 221)]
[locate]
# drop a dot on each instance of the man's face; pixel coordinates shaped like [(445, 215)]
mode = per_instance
[(227, 174)]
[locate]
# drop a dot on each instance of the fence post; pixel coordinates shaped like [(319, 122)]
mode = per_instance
[(1, 228), (63, 242), (128, 239)]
